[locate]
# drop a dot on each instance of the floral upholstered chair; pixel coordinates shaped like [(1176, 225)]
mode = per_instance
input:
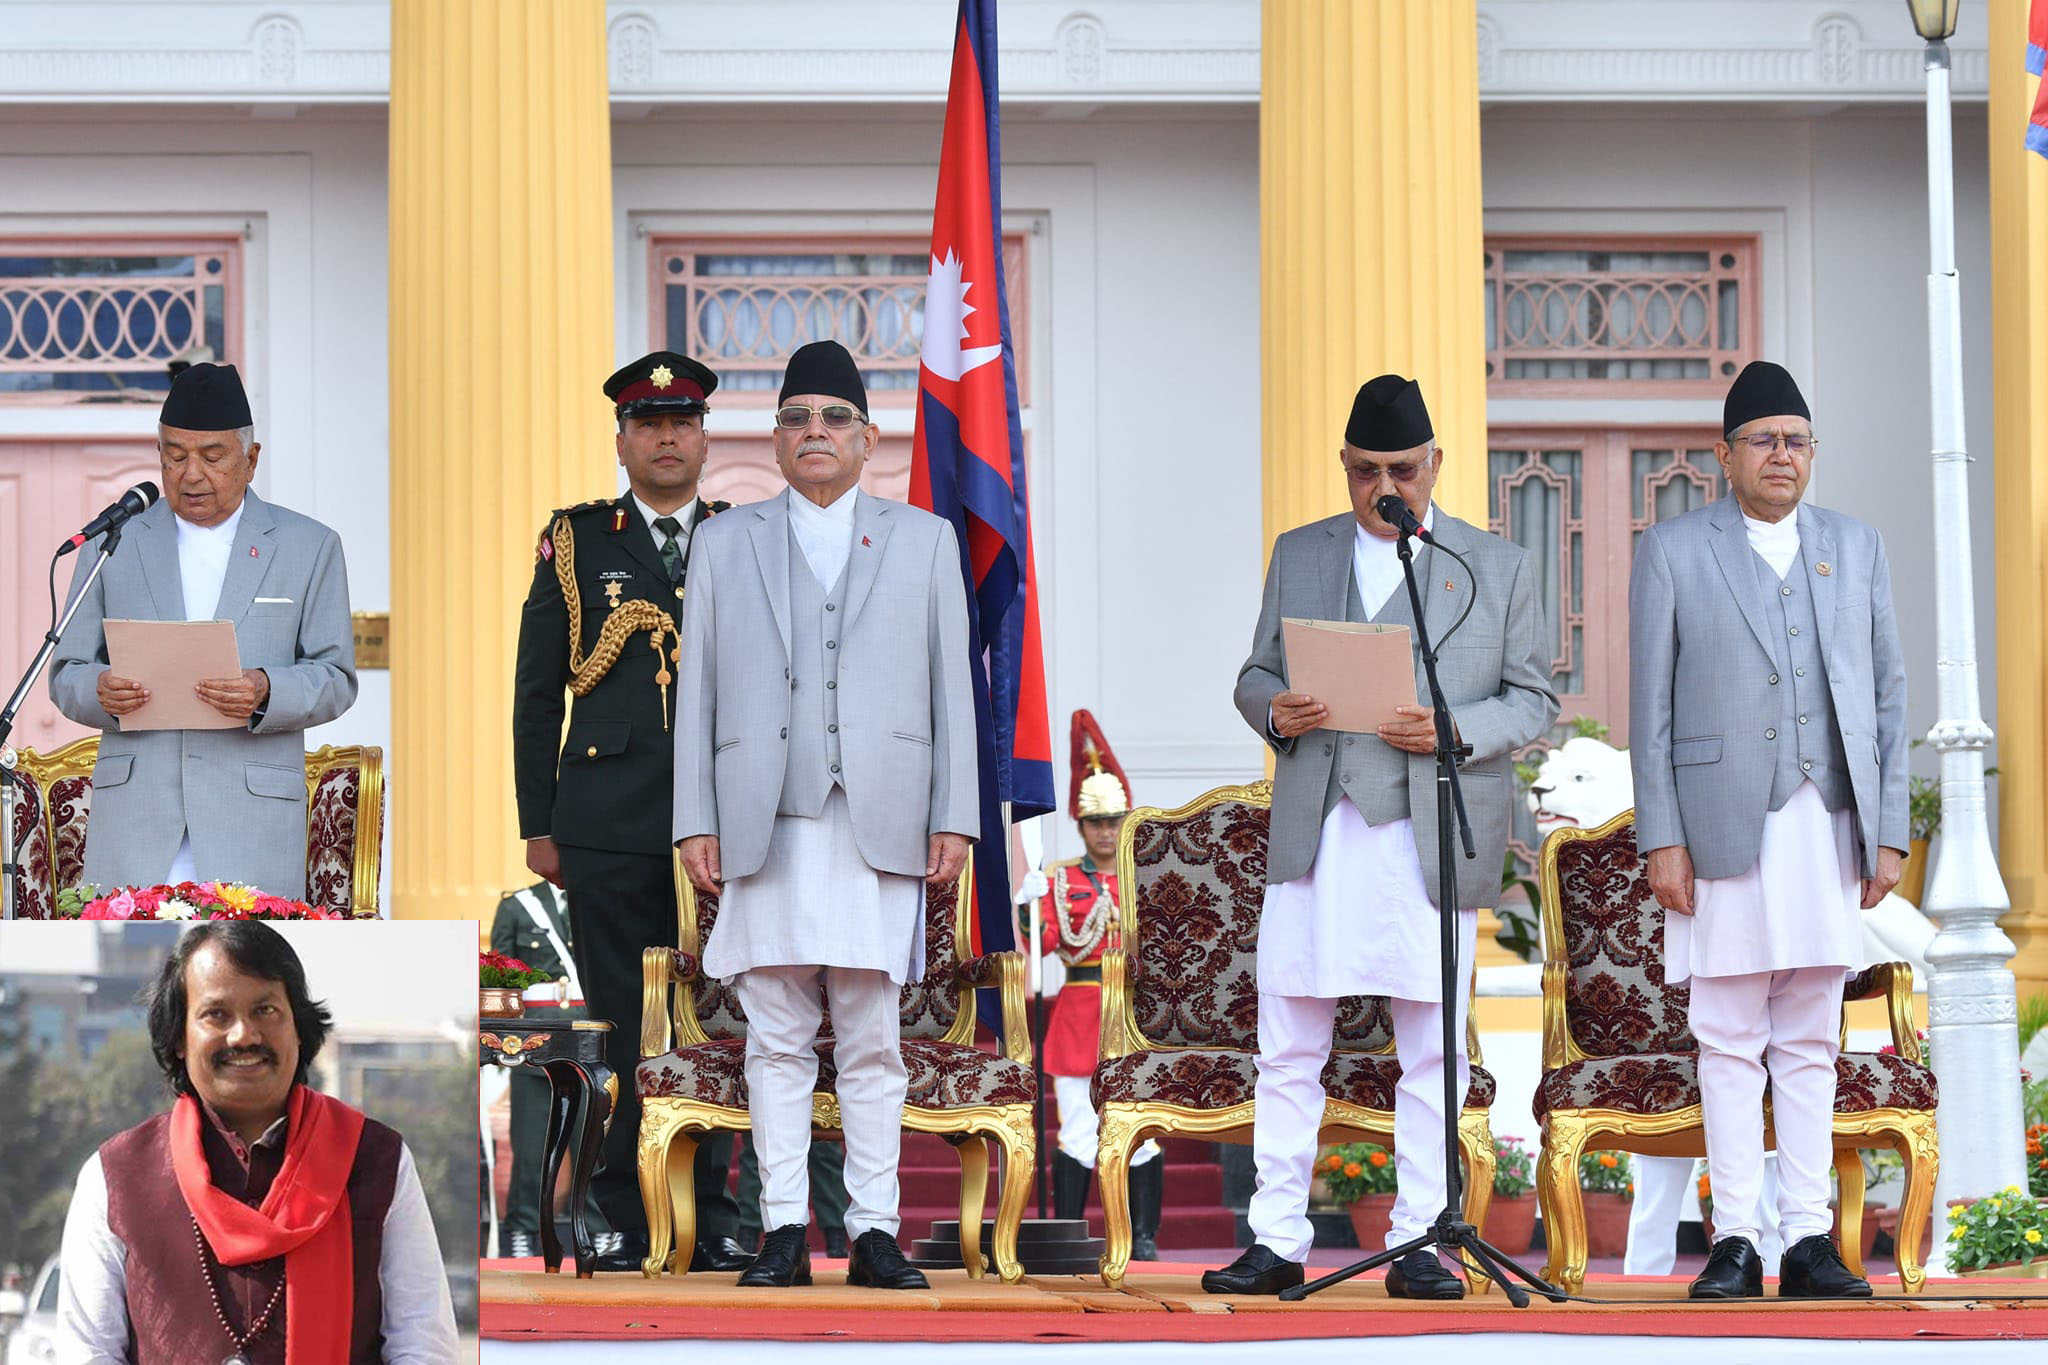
[(1180, 1008), (344, 825), (1620, 1064), (691, 1079)]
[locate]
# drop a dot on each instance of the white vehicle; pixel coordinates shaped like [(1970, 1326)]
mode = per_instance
[(34, 1339)]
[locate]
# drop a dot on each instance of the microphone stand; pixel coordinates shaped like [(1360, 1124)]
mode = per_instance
[(1450, 1231), (8, 759)]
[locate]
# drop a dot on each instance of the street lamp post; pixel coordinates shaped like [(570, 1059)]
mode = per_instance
[(1972, 1013)]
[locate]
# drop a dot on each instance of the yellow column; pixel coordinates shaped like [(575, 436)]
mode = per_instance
[(1370, 255), (501, 332), (2019, 358)]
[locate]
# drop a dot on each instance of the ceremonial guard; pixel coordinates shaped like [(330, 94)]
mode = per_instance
[(601, 621), (1078, 914)]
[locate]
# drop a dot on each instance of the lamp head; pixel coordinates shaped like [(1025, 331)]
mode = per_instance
[(1934, 20)]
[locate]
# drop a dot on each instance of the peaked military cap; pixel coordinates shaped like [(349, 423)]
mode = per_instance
[(663, 381)]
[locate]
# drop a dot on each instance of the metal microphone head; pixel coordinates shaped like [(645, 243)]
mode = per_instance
[(144, 495)]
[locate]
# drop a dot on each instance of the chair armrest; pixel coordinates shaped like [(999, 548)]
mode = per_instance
[(658, 967), (1116, 1004), (983, 973), (1893, 981), (685, 965), (1556, 1033), (1003, 972)]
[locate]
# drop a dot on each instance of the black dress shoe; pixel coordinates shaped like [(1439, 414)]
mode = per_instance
[(620, 1251), (785, 1260), (1812, 1268), (1259, 1271), (1734, 1271), (719, 1253), (878, 1262), (1420, 1275), (517, 1245)]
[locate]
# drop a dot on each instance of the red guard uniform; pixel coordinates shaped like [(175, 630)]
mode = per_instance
[(1080, 925)]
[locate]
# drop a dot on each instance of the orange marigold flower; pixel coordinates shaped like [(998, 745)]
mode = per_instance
[(1378, 1158), (1335, 1163), (1354, 1170), (1609, 1160)]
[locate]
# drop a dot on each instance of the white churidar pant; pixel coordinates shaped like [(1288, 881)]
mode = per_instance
[(1661, 1183), (1789, 1020), (1080, 1125), (784, 1007)]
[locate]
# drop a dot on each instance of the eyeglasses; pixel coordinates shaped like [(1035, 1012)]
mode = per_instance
[(1764, 442), (1399, 473), (836, 416)]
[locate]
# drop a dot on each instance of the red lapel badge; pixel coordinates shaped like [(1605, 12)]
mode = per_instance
[(253, 553), (865, 541)]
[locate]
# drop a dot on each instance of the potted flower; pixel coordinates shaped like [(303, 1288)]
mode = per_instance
[(183, 901), (2004, 1235), (501, 981), (1511, 1217), (1607, 1185), (1705, 1188), (1360, 1177), (2037, 1161)]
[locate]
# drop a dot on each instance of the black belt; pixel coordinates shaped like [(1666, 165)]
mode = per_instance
[(1090, 972)]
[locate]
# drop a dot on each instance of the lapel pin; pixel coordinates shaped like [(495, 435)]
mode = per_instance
[(254, 553), (1823, 568), (618, 519), (1450, 585), (865, 541)]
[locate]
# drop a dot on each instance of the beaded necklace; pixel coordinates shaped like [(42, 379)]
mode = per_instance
[(240, 1340)]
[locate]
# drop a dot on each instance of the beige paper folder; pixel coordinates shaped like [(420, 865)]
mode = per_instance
[(170, 658), (1359, 670)]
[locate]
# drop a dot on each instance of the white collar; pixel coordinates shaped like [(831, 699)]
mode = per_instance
[(224, 531), (839, 513), (1784, 531)]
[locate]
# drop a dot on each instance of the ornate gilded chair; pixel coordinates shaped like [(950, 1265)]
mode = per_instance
[(1180, 1008), (691, 1079), (344, 825), (1620, 1064)]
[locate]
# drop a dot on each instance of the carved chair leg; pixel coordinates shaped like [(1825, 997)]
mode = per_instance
[(657, 1130), (1917, 1144), (1849, 1202), (1113, 1177), (682, 1196), (1475, 1137), (1020, 1149), (973, 1195), (1557, 1194)]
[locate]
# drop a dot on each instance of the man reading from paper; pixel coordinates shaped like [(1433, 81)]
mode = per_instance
[(227, 804), (1351, 864)]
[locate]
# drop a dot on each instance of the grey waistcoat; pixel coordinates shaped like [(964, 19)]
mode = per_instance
[(1809, 741), (1372, 775), (815, 617)]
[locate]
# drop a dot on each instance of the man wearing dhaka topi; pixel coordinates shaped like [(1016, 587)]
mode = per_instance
[(259, 1222)]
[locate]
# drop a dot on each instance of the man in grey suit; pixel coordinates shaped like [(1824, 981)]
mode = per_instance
[(228, 804), (1767, 714), (825, 769), (1353, 885)]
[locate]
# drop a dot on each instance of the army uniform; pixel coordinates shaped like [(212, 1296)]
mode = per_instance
[(601, 619), (539, 944)]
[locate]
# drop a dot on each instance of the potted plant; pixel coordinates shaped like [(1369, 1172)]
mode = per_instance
[(2037, 1161), (501, 981), (183, 901), (1360, 1177), (1511, 1217), (1606, 1186), (2004, 1235), (1705, 1188)]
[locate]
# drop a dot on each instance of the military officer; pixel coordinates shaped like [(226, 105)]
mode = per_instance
[(600, 621), (1079, 924), (532, 924)]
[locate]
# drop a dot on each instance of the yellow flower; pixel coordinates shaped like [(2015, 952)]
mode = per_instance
[(2034, 1236), (1997, 1204), (1955, 1213), (2013, 1190), (243, 898)]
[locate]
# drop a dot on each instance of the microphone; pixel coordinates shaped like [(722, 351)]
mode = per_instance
[(1395, 513), (135, 501)]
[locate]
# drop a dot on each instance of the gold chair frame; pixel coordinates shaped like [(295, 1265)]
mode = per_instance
[(1567, 1133), (1126, 1123), (77, 758), (667, 1148)]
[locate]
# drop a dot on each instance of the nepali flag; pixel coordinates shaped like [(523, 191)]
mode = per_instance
[(967, 465), (2037, 57)]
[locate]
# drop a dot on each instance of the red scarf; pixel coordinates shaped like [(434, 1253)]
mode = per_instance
[(304, 1218)]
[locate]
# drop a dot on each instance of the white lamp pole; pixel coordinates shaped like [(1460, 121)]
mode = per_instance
[(1972, 1013)]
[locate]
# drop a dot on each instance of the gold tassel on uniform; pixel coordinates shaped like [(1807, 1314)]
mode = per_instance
[(628, 619)]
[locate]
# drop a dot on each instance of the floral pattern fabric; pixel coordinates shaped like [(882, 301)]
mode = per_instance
[(941, 1075), (1661, 1083), (1616, 1001), (331, 839), (1210, 1079)]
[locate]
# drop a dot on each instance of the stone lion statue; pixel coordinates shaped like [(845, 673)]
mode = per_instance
[(1585, 782)]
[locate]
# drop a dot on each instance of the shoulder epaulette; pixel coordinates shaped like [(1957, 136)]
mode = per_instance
[(712, 509), (592, 505), (544, 548)]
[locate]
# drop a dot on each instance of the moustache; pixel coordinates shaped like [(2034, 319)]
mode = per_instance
[(227, 1056)]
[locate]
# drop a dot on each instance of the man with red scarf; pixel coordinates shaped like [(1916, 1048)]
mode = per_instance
[(259, 1221)]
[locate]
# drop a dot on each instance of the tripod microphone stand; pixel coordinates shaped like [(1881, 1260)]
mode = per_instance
[(1450, 1232)]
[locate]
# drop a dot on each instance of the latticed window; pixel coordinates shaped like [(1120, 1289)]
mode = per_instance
[(1618, 317), (742, 306), (101, 321)]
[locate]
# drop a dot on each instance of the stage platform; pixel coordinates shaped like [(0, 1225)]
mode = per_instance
[(1161, 1313)]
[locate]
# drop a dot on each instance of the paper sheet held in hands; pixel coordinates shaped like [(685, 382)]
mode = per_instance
[(1359, 670), (170, 658)]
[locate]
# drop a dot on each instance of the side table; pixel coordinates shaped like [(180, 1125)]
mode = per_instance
[(571, 1052)]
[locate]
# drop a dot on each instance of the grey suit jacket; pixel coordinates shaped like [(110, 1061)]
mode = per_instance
[(240, 792), (906, 705), (1701, 690), (1495, 673)]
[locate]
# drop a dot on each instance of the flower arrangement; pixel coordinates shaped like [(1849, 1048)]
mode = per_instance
[(1607, 1173), (495, 971), (184, 901), (1705, 1188), (1926, 1049), (2006, 1229), (2037, 1160), (1357, 1169), (1514, 1168)]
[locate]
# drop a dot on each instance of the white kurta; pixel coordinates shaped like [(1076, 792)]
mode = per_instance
[(203, 553), (1360, 922)]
